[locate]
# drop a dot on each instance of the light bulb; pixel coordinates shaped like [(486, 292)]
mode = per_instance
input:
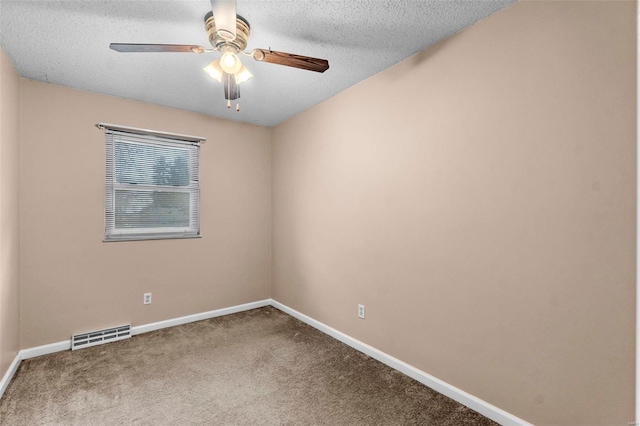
[(214, 70), (243, 75), (230, 63), (229, 60)]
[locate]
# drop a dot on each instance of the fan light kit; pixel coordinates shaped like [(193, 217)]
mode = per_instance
[(228, 33)]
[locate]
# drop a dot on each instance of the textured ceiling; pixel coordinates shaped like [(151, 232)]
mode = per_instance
[(67, 43)]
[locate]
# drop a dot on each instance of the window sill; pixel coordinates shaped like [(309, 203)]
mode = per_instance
[(150, 238)]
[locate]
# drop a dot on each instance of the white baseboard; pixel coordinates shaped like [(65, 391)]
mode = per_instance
[(476, 404), (30, 353), (145, 328), (482, 407), (139, 329), (45, 349), (9, 374)]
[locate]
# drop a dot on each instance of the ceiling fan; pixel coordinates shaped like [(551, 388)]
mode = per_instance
[(228, 33)]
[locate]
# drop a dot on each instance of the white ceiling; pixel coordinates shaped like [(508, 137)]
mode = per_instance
[(67, 43)]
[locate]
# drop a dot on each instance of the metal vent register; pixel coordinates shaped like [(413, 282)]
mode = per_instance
[(98, 337)]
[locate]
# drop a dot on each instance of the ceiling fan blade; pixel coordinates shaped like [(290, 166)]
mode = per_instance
[(135, 47), (224, 13), (290, 60)]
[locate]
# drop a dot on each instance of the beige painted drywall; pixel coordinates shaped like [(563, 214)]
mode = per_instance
[(9, 212), (73, 282), (479, 199)]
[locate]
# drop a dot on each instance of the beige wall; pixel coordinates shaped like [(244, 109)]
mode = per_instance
[(9, 212), (479, 200), (73, 282)]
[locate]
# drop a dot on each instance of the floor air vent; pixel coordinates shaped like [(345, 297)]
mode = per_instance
[(84, 340)]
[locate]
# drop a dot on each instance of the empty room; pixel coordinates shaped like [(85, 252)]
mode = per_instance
[(273, 212)]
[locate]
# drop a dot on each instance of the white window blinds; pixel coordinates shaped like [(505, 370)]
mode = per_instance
[(152, 186)]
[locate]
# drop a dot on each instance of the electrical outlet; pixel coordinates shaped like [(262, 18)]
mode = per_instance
[(147, 299), (361, 311)]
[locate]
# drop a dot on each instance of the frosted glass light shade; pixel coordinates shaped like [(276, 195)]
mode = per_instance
[(214, 70), (243, 75)]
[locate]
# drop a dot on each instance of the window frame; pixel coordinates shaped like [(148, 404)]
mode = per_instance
[(143, 137)]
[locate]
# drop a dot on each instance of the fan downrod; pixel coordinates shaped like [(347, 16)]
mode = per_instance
[(243, 30)]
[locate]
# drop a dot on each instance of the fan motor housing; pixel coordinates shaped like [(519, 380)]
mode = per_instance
[(243, 30)]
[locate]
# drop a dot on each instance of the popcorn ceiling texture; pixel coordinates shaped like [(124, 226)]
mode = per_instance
[(260, 367), (67, 43)]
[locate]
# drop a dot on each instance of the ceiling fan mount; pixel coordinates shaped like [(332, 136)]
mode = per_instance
[(238, 44)]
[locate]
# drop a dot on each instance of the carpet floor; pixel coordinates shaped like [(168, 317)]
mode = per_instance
[(260, 367)]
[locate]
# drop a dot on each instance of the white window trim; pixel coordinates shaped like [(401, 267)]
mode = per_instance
[(173, 140)]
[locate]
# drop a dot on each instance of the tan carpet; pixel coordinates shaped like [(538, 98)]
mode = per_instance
[(260, 367)]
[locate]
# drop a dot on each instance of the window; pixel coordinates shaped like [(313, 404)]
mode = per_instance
[(152, 185)]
